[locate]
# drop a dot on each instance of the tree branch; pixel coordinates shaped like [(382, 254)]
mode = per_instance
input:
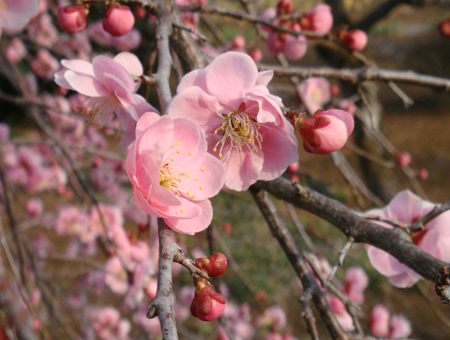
[(390, 240), (360, 74)]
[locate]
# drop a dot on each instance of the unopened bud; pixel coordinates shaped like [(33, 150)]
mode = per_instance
[(72, 18), (355, 40), (214, 266), (207, 304), (118, 20), (404, 158), (444, 28), (284, 7)]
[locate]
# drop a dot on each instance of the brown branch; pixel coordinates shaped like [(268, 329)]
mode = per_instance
[(360, 74), (255, 19), (420, 224), (180, 258), (162, 305), (295, 256), (363, 231)]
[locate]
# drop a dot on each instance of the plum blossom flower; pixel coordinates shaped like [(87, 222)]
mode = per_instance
[(319, 19), (342, 316), (384, 325), (434, 239), (110, 88), (243, 122), (315, 92), (273, 316), (325, 131), (15, 14), (108, 325), (355, 282), (172, 174)]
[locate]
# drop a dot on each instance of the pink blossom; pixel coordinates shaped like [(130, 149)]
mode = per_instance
[(347, 105), (423, 174), (73, 222), (118, 20), (72, 18), (342, 316), (403, 158), (400, 327), (126, 42), (315, 92), (4, 132), (34, 207), (116, 275), (108, 325), (294, 167), (355, 40), (384, 325), (273, 316), (355, 282), (293, 48), (16, 51), (42, 30), (273, 336), (15, 14), (243, 122), (44, 65), (434, 239), (325, 131), (172, 174), (255, 54), (319, 19), (110, 87), (379, 321)]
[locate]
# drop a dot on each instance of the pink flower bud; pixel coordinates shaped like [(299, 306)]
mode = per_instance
[(400, 327), (355, 40), (34, 207), (294, 167), (72, 18), (118, 20), (207, 304), (294, 178), (227, 228), (379, 321), (140, 12), (423, 174), (255, 54), (335, 89), (444, 28), (325, 131), (284, 7), (404, 158), (319, 19), (214, 266)]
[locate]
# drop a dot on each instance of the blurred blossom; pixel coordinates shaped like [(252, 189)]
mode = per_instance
[(315, 92), (34, 207), (44, 64), (126, 42), (342, 316), (274, 317), (16, 50)]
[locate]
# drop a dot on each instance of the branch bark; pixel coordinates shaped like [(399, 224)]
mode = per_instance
[(390, 240)]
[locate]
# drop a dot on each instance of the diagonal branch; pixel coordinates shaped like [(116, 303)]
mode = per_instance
[(390, 240)]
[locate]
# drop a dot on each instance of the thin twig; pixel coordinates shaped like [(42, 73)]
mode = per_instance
[(342, 254)]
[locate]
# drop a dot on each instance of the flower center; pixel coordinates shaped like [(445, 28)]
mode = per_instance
[(100, 108), (242, 131)]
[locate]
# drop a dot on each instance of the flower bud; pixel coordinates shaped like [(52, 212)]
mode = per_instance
[(403, 158), (207, 304), (423, 174), (444, 28), (319, 19), (118, 20), (284, 7), (214, 266), (72, 18), (294, 167), (355, 40), (325, 131), (255, 54)]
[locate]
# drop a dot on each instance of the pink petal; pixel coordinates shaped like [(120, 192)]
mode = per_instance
[(78, 65), (230, 75), (195, 225), (86, 85), (143, 204), (197, 106), (406, 206), (264, 77), (130, 62), (111, 73), (193, 78), (159, 135), (280, 151), (384, 263), (269, 110), (17, 13), (295, 48), (147, 120), (206, 180)]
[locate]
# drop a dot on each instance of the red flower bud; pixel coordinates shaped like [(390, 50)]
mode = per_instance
[(444, 28), (214, 266), (207, 304), (118, 20), (404, 158), (72, 18), (284, 7), (355, 40)]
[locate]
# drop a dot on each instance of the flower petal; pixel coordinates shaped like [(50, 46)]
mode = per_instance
[(194, 225), (130, 62)]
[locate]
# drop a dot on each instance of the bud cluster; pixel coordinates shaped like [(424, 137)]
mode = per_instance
[(117, 21), (208, 304)]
